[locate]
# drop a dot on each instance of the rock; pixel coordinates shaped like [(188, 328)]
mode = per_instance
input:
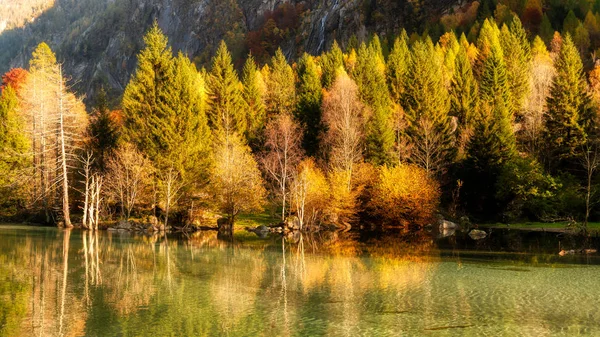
[(224, 224), (261, 228), (153, 220), (464, 221), (444, 232), (126, 225), (477, 234), (573, 252), (292, 223), (566, 252), (445, 224)]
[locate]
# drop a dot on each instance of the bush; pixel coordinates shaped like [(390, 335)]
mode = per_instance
[(405, 193), (342, 204), (526, 192)]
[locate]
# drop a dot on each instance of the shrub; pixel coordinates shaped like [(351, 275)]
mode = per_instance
[(405, 193), (342, 203)]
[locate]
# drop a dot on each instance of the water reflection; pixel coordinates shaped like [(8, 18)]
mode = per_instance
[(75, 283)]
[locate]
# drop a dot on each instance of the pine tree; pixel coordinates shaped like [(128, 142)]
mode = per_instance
[(281, 86), (227, 107), (464, 95), (397, 66), (570, 23), (426, 105), (104, 131), (517, 57), (308, 111), (191, 145), (370, 78), (253, 94), (14, 145), (148, 97), (330, 63), (546, 30), (569, 117)]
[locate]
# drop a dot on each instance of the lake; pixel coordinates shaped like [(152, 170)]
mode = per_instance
[(56, 282)]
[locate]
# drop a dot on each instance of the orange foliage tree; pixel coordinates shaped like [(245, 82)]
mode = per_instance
[(15, 78), (405, 193)]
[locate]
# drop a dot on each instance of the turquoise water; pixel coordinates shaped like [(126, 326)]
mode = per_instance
[(72, 283)]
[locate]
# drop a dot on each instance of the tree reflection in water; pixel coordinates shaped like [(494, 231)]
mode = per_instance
[(73, 283)]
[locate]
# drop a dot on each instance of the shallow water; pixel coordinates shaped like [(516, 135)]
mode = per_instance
[(73, 283)]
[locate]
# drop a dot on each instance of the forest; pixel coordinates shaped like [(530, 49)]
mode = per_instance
[(501, 126)]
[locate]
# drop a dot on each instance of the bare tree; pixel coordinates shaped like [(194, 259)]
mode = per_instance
[(309, 192), (86, 162), (590, 159), (283, 153), (428, 153), (128, 175), (57, 122), (171, 183), (542, 73), (343, 116)]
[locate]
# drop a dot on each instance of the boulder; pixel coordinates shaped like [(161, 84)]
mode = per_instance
[(153, 220), (292, 223), (444, 232), (477, 234), (445, 224), (126, 225), (224, 224)]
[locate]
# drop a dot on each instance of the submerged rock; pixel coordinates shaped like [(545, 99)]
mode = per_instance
[(477, 234)]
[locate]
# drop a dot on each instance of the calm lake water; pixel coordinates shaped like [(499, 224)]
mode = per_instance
[(71, 283)]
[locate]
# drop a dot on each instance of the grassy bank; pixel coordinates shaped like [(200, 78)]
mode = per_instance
[(592, 226)]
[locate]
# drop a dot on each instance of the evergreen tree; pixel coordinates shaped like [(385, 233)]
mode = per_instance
[(492, 144), (164, 106), (330, 63), (14, 145), (570, 23), (310, 95), (489, 36), (148, 98), (375, 46), (104, 131), (426, 105), (397, 66), (517, 57), (227, 107), (569, 117), (253, 94), (191, 143), (370, 78), (464, 94), (546, 30), (281, 86)]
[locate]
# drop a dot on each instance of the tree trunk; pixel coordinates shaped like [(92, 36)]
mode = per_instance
[(63, 157)]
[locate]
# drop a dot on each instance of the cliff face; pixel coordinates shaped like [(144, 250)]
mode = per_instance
[(98, 39)]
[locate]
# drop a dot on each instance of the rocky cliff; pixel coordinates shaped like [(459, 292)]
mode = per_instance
[(98, 39)]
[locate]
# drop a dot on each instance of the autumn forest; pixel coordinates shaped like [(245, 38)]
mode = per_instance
[(497, 127)]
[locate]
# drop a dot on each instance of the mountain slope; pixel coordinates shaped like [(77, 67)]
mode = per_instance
[(98, 39)]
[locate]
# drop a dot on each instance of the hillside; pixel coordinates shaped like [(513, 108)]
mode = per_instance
[(98, 39)]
